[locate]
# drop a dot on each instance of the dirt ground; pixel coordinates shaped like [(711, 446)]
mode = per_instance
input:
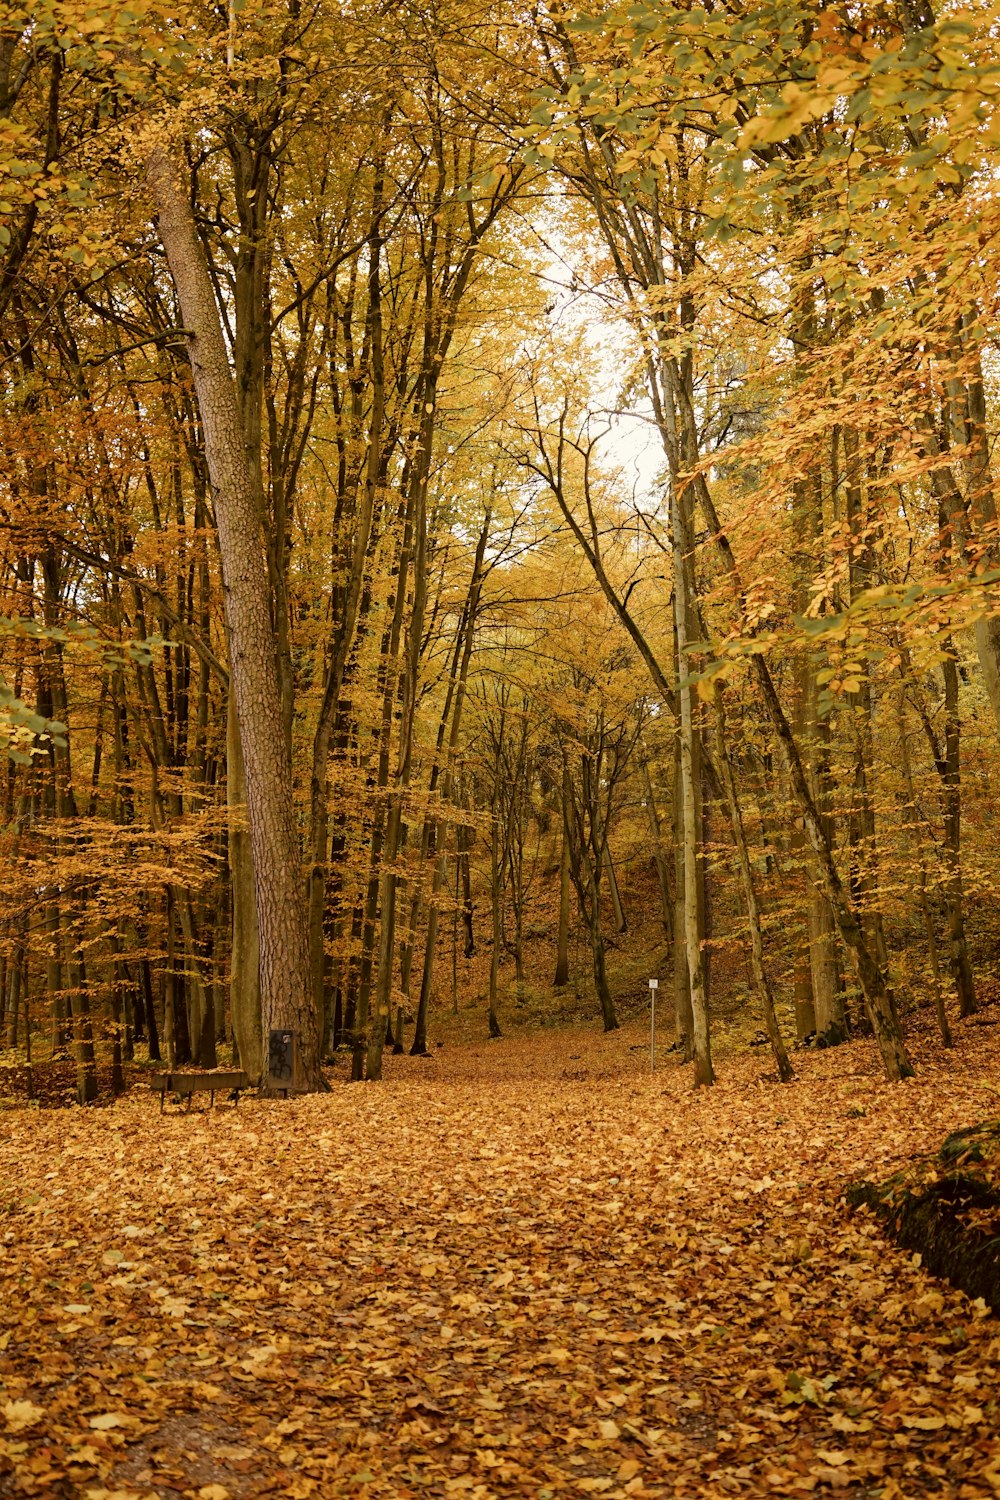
[(525, 1268)]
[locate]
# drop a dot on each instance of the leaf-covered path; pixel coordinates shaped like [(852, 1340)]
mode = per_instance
[(524, 1269)]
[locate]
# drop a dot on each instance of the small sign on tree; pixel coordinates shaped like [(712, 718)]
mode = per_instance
[(282, 1061)]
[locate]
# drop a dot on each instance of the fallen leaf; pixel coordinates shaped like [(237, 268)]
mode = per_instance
[(22, 1414)]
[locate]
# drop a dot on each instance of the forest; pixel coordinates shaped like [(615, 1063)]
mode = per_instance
[(570, 449), (498, 525)]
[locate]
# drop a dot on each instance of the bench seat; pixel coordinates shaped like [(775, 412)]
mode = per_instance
[(204, 1081)]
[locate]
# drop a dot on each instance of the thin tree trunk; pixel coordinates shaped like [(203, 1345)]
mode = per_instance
[(463, 840), (605, 999), (983, 512), (659, 858), (371, 1019), (352, 604), (683, 1018), (761, 980), (703, 1071), (453, 709), (621, 922), (170, 989), (874, 986), (118, 981), (14, 995), (562, 942), (958, 949), (925, 906), (151, 1026), (492, 1018), (83, 1036), (454, 948), (54, 981)]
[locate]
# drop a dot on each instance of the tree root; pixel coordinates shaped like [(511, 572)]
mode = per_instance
[(947, 1207)]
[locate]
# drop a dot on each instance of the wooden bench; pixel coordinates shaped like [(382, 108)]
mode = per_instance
[(203, 1082)]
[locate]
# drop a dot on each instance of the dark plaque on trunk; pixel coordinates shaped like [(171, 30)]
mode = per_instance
[(281, 1060)]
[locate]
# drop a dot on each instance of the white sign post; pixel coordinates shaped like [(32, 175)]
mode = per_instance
[(653, 986)]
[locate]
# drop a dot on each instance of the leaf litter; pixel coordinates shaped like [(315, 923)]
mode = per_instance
[(527, 1268)]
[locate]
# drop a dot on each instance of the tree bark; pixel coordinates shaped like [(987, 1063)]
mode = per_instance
[(244, 977), (701, 1043), (958, 948), (874, 987), (286, 1001), (912, 818), (562, 942), (761, 980), (621, 921), (659, 858)]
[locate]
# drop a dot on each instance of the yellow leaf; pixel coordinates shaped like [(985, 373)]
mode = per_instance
[(84, 1453), (109, 1419), (22, 1414), (105, 1494), (609, 1430)]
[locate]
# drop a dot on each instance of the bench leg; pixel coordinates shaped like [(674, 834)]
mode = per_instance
[(211, 1098)]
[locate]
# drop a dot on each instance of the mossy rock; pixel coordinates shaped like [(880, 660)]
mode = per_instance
[(946, 1206)]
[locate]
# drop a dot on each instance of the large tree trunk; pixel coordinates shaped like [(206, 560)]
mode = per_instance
[(244, 979), (286, 1001)]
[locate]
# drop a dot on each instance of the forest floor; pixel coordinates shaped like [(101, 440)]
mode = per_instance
[(525, 1268)]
